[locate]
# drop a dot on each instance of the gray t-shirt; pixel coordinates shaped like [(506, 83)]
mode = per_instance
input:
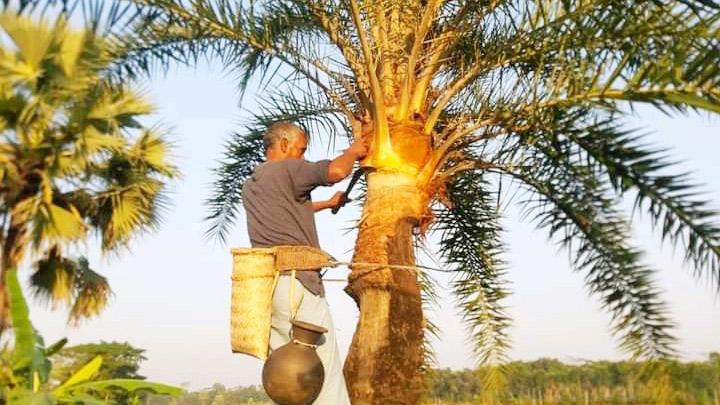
[(279, 208)]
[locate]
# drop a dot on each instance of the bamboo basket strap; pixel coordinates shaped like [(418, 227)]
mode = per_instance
[(276, 277)]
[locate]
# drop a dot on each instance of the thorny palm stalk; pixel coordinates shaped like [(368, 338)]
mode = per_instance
[(74, 160), (503, 88)]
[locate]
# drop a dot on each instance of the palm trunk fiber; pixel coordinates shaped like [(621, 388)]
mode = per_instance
[(386, 354)]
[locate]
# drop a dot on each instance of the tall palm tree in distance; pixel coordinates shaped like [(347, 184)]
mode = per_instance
[(74, 160), (470, 105)]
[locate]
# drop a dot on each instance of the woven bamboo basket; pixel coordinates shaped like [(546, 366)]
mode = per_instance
[(254, 276)]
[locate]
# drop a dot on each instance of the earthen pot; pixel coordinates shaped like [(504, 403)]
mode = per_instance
[(293, 374)]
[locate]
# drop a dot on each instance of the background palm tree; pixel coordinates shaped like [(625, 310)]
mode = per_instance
[(74, 160), (473, 105)]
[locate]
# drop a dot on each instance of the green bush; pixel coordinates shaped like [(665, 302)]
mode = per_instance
[(25, 369)]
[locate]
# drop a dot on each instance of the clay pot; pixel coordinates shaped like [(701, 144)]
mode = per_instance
[(293, 374)]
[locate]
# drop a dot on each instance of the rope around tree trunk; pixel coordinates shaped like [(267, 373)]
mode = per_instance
[(378, 266)]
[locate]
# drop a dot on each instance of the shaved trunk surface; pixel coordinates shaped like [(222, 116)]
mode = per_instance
[(386, 354)]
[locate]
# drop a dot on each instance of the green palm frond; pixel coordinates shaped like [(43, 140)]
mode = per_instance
[(72, 283), (134, 195), (580, 212), (672, 201), (52, 223), (470, 244), (616, 157), (535, 55), (54, 278), (429, 297), (151, 153), (244, 150), (612, 268), (92, 293), (124, 211), (250, 41)]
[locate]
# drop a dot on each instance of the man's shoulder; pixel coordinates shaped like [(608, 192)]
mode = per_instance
[(267, 173), (301, 167)]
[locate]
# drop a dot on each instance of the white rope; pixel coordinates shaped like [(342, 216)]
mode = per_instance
[(304, 344), (378, 266)]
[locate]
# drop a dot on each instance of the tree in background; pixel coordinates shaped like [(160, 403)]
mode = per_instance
[(75, 161), (470, 105), (549, 381), (120, 360)]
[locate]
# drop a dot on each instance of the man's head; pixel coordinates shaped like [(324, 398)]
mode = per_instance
[(285, 140)]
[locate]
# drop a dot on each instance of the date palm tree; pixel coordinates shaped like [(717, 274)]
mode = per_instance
[(466, 100), (74, 161)]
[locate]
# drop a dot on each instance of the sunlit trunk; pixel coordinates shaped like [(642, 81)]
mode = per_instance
[(385, 358)]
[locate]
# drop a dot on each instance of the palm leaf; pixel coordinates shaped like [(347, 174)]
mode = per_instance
[(672, 201), (71, 282), (586, 53), (74, 157), (92, 292), (574, 206), (470, 245)]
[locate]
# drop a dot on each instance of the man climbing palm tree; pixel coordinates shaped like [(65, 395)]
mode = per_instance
[(281, 212)]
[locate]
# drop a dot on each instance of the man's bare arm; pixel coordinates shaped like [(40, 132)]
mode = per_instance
[(342, 166), (336, 200)]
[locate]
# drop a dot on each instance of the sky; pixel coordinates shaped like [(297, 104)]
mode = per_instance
[(172, 288)]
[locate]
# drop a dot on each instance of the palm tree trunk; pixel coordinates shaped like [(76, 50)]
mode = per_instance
[(386, 354)]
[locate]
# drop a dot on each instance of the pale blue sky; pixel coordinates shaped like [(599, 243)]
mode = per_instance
[(172, 290)]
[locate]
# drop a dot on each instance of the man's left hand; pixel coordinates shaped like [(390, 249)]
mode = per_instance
[(337, 200)]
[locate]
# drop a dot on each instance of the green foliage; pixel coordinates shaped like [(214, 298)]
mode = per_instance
[(527, 96), (567, 196), (25, 370), (471, 236), (216, 395), (549, 381), (529, 382), (120, 360), (75, 161)]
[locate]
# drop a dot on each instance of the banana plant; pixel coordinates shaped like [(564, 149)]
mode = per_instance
[(25, 370)]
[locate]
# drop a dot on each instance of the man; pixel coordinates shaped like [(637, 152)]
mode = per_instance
[(280, 212)]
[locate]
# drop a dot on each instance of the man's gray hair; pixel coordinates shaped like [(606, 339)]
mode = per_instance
[(280, 130)]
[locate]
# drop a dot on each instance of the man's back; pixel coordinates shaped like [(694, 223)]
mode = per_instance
[(279, 209)]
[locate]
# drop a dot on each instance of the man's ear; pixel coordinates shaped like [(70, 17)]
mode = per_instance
[(284, 145)]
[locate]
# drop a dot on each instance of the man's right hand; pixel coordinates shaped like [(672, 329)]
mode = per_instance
[(342, 166), (358, 149)]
